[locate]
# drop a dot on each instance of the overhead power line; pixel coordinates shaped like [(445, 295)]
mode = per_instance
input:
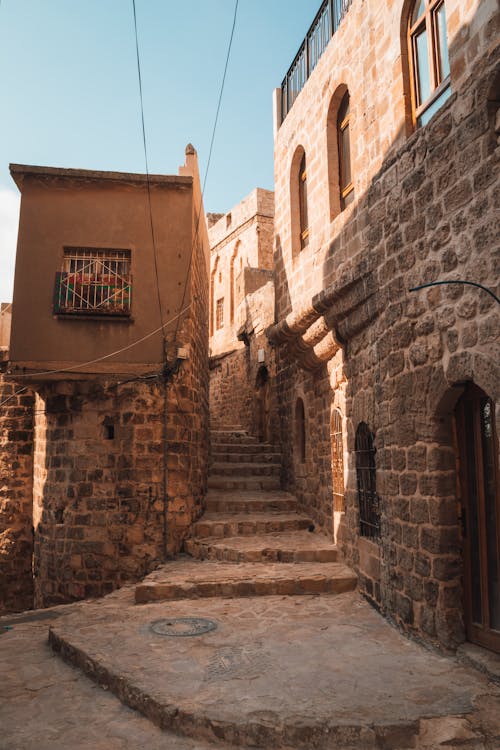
[(212, 139), (151, 223)]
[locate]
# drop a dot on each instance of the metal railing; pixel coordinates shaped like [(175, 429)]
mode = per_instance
[(322, 29)]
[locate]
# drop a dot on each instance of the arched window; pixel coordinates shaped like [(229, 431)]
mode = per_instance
[(304, 223), (369, 516), (337, 444), (344, 146), (298, 201), (300, 431), (428, 56)]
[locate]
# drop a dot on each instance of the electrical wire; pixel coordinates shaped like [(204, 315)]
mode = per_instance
[(151, 223), (212, 139), (93, 361)]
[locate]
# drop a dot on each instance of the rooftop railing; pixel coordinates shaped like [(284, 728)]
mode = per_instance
[(324, 26)]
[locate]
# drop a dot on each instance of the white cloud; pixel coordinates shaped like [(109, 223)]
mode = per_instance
[(9, 221)]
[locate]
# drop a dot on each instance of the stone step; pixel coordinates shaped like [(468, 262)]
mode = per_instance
[(244, 483), (248, 501), (193, 579), (213, 525), (244, 470), (231, 436), (249, 448), (263, 457), (285, 547)]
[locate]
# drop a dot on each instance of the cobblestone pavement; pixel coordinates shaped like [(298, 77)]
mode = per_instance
[(287, 672)]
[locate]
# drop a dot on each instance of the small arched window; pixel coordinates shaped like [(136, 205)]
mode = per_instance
[(369, 515), (344, 146), (298, 202), (429, 60), (300, 431), (304, 223), (337, 444)]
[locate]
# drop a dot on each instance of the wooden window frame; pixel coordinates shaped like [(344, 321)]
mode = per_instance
[(428, 21), (219, 314), (342, 126), (337, 449), (303, 213)]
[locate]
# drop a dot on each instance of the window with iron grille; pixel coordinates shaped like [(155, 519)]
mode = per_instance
[(369, 513), (337, 444), (93, 282), (344, 145), (219, 314)]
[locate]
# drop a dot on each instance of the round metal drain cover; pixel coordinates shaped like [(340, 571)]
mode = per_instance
[(180, 627)]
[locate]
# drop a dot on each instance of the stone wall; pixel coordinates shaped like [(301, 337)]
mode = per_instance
[(16, 487), (241, 241), (98, 487), (188, 417), (351, 336)]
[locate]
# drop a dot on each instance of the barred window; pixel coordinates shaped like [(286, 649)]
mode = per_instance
[(304, 222), (219, 314), (94, 281), (369, 514)]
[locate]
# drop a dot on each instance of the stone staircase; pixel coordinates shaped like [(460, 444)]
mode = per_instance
[(249, 521)]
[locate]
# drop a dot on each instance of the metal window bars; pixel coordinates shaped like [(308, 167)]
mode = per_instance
[(322, 29), (94, 281), (369, 511)]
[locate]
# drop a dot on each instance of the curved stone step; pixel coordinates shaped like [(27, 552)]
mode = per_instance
[(243, 470), (297, 673), (193, 579), (249, 501), (213, 525), (287, 547)]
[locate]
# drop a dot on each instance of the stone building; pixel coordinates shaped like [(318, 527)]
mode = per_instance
[(110, 335), (386, 156), (242, 366)]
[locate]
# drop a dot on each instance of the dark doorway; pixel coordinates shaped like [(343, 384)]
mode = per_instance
[(478, 463), (262, 404)]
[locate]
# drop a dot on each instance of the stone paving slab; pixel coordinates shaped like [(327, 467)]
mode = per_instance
[(305, 672), (186, 578), (46, 704)]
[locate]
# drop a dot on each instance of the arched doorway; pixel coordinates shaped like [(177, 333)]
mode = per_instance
[(478, 469)]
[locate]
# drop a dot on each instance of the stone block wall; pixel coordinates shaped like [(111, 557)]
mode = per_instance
[(188, 417), (424, 211), (98, 487), (16, 489), (241, 241)]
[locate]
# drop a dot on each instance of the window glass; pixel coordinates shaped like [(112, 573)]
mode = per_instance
[(346, 157), (433, 108), (444, 60), (418, 10), (422, 65)]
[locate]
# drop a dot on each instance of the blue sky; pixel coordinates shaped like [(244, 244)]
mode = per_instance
[(70, 94)]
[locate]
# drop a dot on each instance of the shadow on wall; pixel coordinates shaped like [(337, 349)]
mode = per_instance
[(427, 215)]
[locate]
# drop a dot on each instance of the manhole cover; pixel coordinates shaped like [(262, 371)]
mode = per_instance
[(179, 627)]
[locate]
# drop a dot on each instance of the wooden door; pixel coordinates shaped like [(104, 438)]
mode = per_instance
[(478, 462)]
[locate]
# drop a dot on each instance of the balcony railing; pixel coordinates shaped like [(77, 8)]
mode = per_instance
[(321, 31)]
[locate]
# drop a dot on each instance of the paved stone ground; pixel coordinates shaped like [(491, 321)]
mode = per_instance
[(279, 672), (46, 704)]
